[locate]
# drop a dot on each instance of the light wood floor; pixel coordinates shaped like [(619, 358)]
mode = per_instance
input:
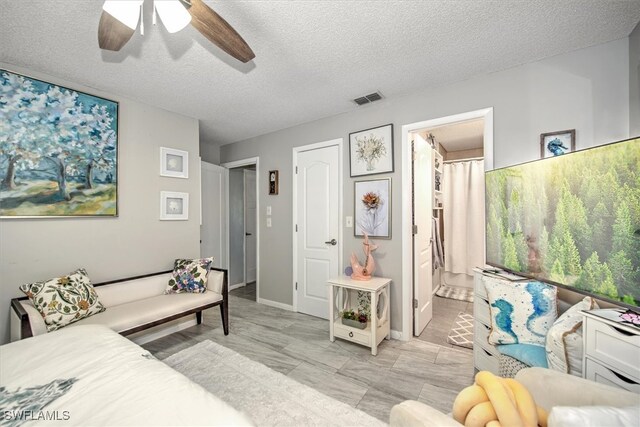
[(298, 346)]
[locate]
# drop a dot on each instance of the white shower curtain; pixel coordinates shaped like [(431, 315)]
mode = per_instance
[(463, 206)]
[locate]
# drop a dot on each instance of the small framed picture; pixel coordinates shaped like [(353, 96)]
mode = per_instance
[(174, 206), (557, 143), (273, 182), (174, 163), (371, 151), (373, 208)]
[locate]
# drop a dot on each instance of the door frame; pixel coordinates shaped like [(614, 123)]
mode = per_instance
[(235, 164), (244, 252), (294, 197), (407, 235)]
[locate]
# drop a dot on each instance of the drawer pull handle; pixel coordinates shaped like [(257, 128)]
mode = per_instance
[(487, 353), (623, 378), (620, 331), (351, 334)]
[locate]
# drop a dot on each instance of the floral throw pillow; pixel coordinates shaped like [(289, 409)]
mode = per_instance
[(64, 300), (189, 275)]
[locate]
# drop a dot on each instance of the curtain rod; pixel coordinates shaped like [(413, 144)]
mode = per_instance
[(463, 160)]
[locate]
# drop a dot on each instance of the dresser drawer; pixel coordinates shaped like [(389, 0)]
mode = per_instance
[(485, 361), (613, 347), (478, 286), (352, 334), (603, 375), (481, 335), (481, 310)]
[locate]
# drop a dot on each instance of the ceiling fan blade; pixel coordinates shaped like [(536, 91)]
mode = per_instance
[(112, 34), (219, 32)]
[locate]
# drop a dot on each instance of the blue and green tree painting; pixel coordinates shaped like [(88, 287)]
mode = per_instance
[(58, 150)]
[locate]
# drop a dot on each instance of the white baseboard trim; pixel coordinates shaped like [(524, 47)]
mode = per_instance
[(237, 285), (160, 331), (275, 304)]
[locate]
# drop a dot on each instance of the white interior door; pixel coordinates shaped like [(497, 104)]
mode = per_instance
[(422, 240), (318, 224), (250, 216), (214, 207)]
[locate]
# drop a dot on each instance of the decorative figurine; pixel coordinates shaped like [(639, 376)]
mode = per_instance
[(364, 272)]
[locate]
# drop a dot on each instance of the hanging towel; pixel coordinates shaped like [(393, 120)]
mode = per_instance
[(436, 245)]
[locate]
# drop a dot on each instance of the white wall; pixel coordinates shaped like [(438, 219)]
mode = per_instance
[(136, 242), (634, 82), (587, 90)]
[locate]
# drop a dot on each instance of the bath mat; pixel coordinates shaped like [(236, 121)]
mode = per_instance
[(455, 292), (461, 333)]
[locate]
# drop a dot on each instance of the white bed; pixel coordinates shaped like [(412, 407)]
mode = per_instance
[(116, 382)]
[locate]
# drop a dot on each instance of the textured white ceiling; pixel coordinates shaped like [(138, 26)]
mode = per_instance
[(312, 57)]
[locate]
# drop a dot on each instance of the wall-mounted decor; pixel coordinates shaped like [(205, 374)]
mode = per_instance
[(373, 208), (273, 182), (58, 151), (174, 163), (371, 151), (174, 206), (557, 143)]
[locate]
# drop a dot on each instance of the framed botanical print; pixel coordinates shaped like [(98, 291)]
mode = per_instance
[(371, 151), (174, 163), (174, 206), (372, 208)]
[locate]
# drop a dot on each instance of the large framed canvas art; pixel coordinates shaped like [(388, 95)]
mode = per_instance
[(58, 150)]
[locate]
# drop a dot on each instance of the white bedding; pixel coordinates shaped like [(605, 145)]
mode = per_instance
[(117, 382)]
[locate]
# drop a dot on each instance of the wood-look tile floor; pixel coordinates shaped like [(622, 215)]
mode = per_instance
[(298, 346)]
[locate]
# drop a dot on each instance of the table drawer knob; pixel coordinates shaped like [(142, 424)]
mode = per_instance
[(351, 334)]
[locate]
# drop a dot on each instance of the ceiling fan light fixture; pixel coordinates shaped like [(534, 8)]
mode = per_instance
[(173, 14), (125, 11)]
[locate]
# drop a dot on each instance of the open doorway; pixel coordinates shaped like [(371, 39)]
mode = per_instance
[(436, 156), (243, 233)]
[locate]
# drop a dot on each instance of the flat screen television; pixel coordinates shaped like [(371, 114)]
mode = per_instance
[(571, 220)]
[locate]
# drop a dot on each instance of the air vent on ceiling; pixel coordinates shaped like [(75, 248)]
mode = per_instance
[(376, 96)]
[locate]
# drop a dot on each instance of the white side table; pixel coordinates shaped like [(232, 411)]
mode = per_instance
[(343, 295)]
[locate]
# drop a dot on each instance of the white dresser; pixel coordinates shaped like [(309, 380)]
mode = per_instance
[(485, 355), (611, 350)]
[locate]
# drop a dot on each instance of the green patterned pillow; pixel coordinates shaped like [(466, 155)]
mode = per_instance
[(65, 299), (189, 275)]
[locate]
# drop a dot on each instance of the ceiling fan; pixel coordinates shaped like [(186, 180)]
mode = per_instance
[(120, 18)]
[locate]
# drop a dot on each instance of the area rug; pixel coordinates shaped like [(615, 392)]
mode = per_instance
[(268, 397), (455, 292), (461, 333)]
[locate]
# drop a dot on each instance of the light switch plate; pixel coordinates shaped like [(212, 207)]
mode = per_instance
[(268, 222), (268, 210), (349, 222)]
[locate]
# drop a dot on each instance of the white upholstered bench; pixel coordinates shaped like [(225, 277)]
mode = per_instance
[(133, 304)]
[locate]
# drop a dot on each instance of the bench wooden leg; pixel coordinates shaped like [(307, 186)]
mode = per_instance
[(199, 317), (224, 311)]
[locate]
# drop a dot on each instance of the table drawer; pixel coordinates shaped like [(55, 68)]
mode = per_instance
[(481, 335), (352, 334), (613, 347), (481, 310), (603, 375)]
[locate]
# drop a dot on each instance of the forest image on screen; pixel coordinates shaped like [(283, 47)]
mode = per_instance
[(573, 220)]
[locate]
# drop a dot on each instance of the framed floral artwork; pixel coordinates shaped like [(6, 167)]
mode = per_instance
[(557, 143), (371, 151), (372, 208), (174, 206)]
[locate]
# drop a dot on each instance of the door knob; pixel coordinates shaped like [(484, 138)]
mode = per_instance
[(247, 234), (332, 242)]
